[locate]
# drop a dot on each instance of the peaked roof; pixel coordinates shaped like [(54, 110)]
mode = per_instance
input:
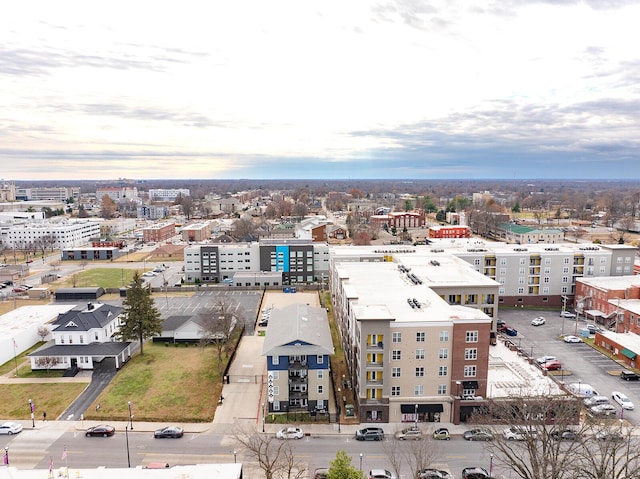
[(93, 316), (298, 329)]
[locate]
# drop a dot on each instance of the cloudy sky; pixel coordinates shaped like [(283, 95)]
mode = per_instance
[(320, 89)]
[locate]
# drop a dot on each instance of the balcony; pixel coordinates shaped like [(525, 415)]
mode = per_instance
[(379, 346)]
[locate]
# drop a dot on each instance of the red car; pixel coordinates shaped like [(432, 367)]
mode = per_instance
[(101, 431), (552, 365)]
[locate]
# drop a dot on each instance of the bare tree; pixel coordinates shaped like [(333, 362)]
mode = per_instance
[(274, 457), (418, 455), (218, 324), (242, 228), (47, 362), (611, 452), (43, 332), (108, 208)]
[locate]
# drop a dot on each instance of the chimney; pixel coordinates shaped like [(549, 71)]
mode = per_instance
[(89, 306)]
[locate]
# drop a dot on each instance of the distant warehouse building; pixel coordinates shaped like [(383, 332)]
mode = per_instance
[(92, 253)]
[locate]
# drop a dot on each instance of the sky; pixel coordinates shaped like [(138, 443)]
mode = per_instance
[(503, 89)]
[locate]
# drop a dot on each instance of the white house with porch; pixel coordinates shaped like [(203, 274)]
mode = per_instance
[(81, 338)]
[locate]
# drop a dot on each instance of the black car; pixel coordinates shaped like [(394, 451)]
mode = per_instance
[(566, 435), (370, 434), (629, 375), (169, 431), (101, 431)]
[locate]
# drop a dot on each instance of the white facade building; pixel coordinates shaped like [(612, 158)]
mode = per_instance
[(162, 194), (56, 236)]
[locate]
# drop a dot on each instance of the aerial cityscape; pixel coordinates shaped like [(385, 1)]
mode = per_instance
[(320, 240), (496, 313)]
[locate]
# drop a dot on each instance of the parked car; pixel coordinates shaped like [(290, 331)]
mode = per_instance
[(567, 314), (603, 410), (605, 435), (370, 434), (103, 431), (475, 473), (509, 331), (595, 400), (381, 474), (623, 400), (10, 428), (442, 433), (321, 473), (629, 375), (552, 365), (433, 474), (566, 435), (569, 338), (290, 433), (169, 431), (544, 359), (593, 329), (539, 321), (19, 290), (516, 433), (502, 327), (264, 323), (478, 435), (409, 433)]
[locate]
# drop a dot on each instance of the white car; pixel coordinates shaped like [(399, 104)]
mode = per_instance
[(567, 314), (381, 474), (545, 359), (572, 339), (290, 433), (10, 428), (539, 321), (623, 400)]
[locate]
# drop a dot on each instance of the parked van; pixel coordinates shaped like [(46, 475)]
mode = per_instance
[(582, 390), (596, 400)]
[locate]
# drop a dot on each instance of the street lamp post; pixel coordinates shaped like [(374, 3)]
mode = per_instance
[(130, 416), (234, 455), (126, 435), (360, 461), (263, 417), (32, 410), (416, 415), (491, 465), (6, 455)]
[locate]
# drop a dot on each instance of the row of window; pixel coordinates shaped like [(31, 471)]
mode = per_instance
[(396, 337), (418, 390), (469, 371)]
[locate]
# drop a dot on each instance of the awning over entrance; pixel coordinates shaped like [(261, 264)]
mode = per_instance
[(469, 384), (628, 353), (422, 408)]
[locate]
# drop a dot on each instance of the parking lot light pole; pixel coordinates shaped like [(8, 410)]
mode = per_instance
[(234, 455), (6, 455), (360, 461), (491, 465)]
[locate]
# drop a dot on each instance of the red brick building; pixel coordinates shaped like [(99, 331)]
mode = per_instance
[(400, 219), (449, 231), (159, 232)]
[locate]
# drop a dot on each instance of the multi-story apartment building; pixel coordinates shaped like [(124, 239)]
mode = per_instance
[(542, 274), (299, 261), (159, 232), (162, 194), (52, 235), (197, 231), (117, 193), (613, 302), (53, 193), (297, 346), (526, 235), (413, 329), (153, 212)]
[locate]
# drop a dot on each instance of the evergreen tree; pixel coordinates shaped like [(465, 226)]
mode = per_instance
[(141, 319), (341, 468)]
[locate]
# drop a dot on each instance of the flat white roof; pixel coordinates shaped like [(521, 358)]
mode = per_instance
[(612, 282), (192, 471), (27, 316)]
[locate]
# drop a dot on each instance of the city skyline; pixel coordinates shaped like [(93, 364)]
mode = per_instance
[(424, 90)]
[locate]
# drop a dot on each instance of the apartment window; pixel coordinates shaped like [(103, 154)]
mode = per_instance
[(501, 291), (395, 390), (419, 372), (395, 372), (320, 389), (320, 373), (565, 279), (396, 355), (469, 371), (566, 261), (275, 359), (502, 271), (547, 279), (442, 389), (419, 353), (476, 262), (420, 337), (396, 337), (444, 336), (443, 370), (471, 337), (276, 390), (471, 353), (547, 271), (443, 353), (320, 359), (503, 261), (95, 335), (565, 270), (547, 261), (418, 390)]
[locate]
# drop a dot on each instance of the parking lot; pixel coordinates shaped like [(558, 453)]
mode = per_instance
[(580, 362)]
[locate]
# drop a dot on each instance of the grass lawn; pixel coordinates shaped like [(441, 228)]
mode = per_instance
[(53, 398), (168, 383), (103, 277)]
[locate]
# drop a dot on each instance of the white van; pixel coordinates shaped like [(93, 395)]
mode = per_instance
[(582, 390)]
